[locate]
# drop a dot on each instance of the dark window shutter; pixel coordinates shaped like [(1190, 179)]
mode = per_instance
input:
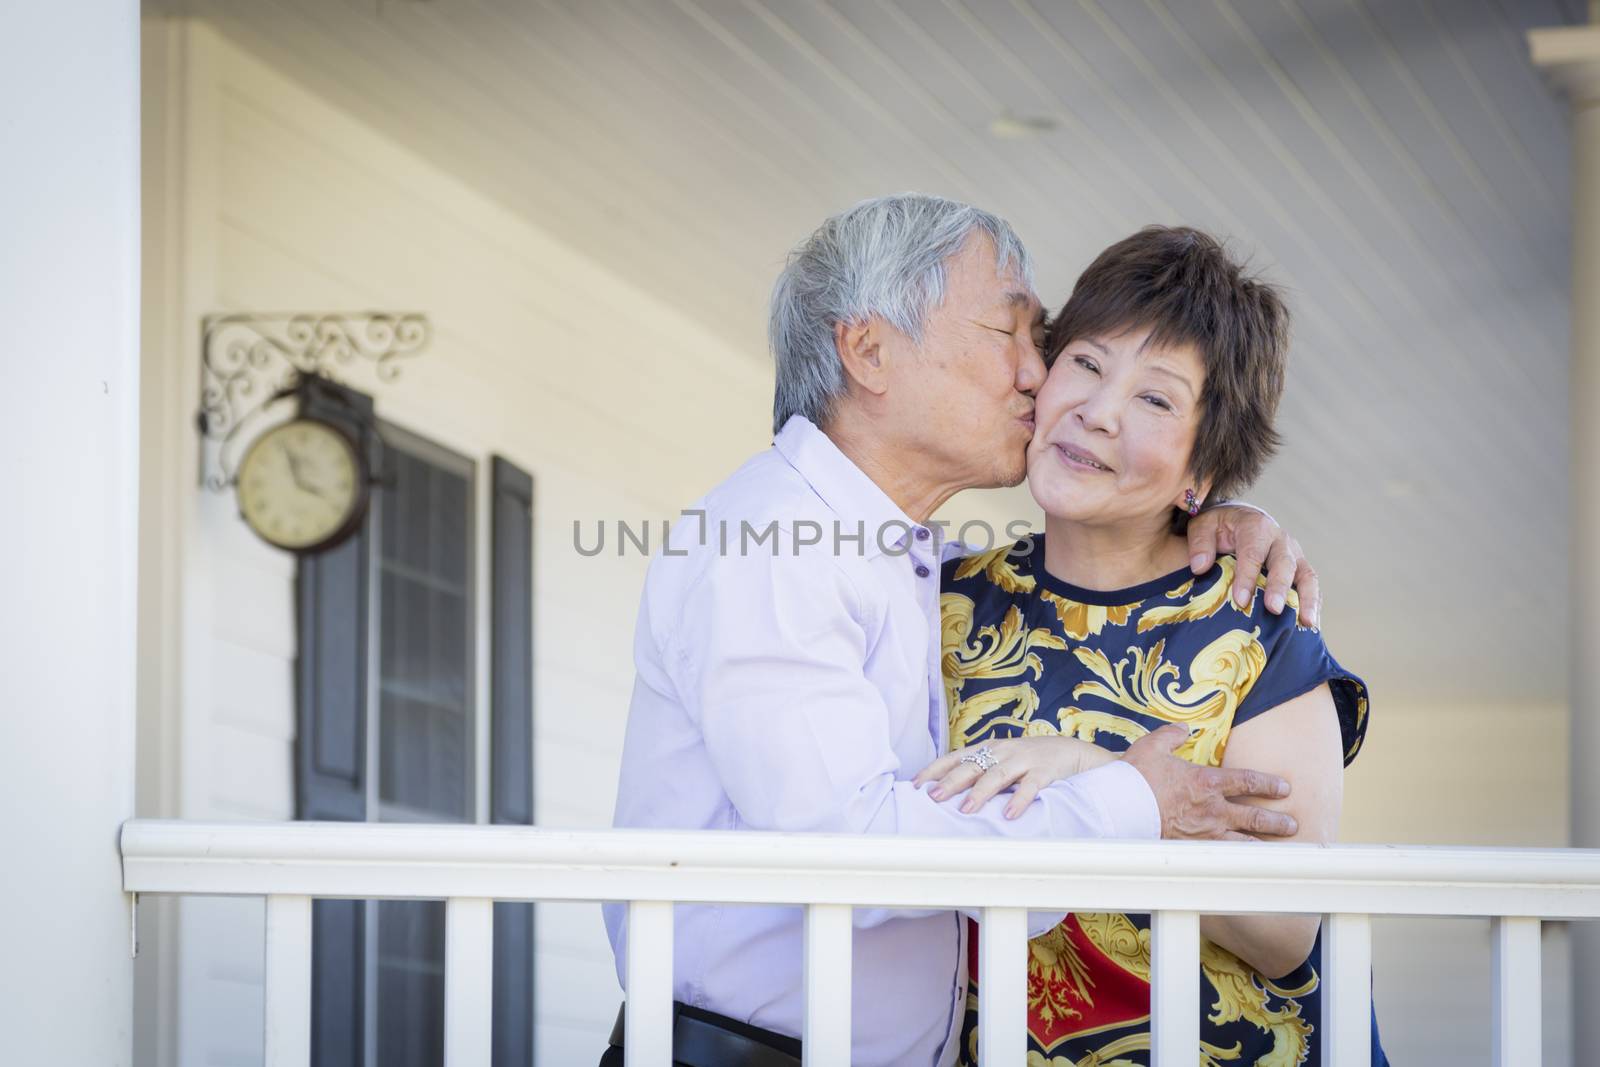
[(331, 719), (331, 743), (511, 747)]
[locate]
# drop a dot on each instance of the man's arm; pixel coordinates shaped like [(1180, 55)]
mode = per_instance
[(770, 655), (1196, 802)]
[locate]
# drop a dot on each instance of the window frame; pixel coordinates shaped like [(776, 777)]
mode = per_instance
[(401, 439)]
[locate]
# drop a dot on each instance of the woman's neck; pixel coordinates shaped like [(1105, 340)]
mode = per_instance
[(1114, 556)]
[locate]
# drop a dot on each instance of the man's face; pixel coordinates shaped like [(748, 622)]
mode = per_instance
[(966, 392)]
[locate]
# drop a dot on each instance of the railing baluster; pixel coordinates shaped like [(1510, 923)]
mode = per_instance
[(290, 863), (1347, 990), (648, 1038), (1518, 1022), (468, 980), (829, 932), (1174, 988), (287, 1024), (1003, 986)]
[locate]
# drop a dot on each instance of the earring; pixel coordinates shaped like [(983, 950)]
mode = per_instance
[(1191, 502)]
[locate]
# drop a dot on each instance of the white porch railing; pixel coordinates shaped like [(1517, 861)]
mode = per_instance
[(470, 867)]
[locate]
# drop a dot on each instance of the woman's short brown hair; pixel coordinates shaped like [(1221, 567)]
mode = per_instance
[(1182, 285)]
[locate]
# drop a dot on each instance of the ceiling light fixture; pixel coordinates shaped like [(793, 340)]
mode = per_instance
[(1010, 127)]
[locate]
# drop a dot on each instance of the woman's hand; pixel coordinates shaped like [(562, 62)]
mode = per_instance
[(1027, 764)]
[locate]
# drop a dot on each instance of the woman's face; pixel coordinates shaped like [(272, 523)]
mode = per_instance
[(1116, 425)]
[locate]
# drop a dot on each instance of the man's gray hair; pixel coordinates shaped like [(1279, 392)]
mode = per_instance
[(883, 257)]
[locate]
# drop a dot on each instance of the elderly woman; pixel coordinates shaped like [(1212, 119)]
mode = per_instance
[(1166, 366)]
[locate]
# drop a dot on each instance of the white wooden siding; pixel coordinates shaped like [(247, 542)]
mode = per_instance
[(622, 407)]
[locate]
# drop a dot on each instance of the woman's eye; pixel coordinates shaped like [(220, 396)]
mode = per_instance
[(1086, 363), (1158, 402)]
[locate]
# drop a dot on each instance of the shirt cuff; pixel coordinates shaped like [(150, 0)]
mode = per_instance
[(1126, 800), (1240, 504)]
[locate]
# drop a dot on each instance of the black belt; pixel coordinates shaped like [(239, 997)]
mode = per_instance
[(703, 1038)]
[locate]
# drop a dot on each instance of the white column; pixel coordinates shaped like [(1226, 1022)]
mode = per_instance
[(1571, 56), (69, 449)]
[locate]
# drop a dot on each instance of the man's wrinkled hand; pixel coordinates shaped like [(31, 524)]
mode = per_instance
[(1257, 543), (1196, 802)]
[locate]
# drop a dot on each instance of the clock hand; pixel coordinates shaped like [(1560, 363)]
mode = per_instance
[(325, 493), (294, 467)]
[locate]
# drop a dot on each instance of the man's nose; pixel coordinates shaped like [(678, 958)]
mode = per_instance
[(1031, 371)]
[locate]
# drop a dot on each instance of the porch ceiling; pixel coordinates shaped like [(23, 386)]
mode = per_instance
[(1399, 165)]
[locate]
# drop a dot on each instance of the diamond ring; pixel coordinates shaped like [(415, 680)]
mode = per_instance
[(982, 757)]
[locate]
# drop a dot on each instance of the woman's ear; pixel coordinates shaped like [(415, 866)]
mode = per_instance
[(861, 353), (1200, 489)]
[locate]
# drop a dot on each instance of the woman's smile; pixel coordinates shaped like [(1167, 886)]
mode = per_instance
[(1076, 458)]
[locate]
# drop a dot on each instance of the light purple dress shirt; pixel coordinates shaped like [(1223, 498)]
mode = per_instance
[(786, 685)]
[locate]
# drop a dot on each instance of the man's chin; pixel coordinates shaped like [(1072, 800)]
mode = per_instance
[(1012, 474)]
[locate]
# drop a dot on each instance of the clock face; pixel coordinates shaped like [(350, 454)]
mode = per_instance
[(302, 486)]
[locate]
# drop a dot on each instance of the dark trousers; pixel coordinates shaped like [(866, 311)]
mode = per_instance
[(707, 1039), (613, 1058)]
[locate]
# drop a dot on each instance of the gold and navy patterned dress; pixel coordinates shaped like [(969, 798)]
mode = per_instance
[(1028, 654)]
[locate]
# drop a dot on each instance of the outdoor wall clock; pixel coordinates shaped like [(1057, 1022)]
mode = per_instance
[(303, 485), (304, 481)]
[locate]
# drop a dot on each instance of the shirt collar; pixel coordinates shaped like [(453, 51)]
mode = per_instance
[(843, 486)]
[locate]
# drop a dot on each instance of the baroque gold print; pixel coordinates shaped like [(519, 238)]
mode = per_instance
[(1086, 725), (1056, 976), (1079, 620), (1240, 994), (998, 568), (1006, 651), (1219, 677), (1122, 942), (1202, 606), (1114, 1054), (1107, 682)]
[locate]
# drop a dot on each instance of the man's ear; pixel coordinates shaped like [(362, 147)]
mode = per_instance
[(862, 355)]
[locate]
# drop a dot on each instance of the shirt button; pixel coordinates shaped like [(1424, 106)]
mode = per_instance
[(922, 533), (922, 572)]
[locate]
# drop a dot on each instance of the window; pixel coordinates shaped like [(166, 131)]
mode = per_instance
[(389, 730), (421, 752)]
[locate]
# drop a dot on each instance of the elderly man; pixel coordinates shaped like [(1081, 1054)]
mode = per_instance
[(787, 648)]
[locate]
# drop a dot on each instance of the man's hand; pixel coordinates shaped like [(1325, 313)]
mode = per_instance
[(1256, 541), (1194, 800)]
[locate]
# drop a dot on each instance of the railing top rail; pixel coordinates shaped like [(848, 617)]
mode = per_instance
[(509, 863)]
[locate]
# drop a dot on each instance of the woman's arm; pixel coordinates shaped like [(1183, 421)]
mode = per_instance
[(1027, 764), (1300, 740)]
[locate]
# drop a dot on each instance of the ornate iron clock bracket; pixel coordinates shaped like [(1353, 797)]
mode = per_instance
[(250, 361)]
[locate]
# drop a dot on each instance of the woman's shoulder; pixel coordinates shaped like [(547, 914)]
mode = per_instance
[(1282, 658), (1003, 572), (1203, 604)]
